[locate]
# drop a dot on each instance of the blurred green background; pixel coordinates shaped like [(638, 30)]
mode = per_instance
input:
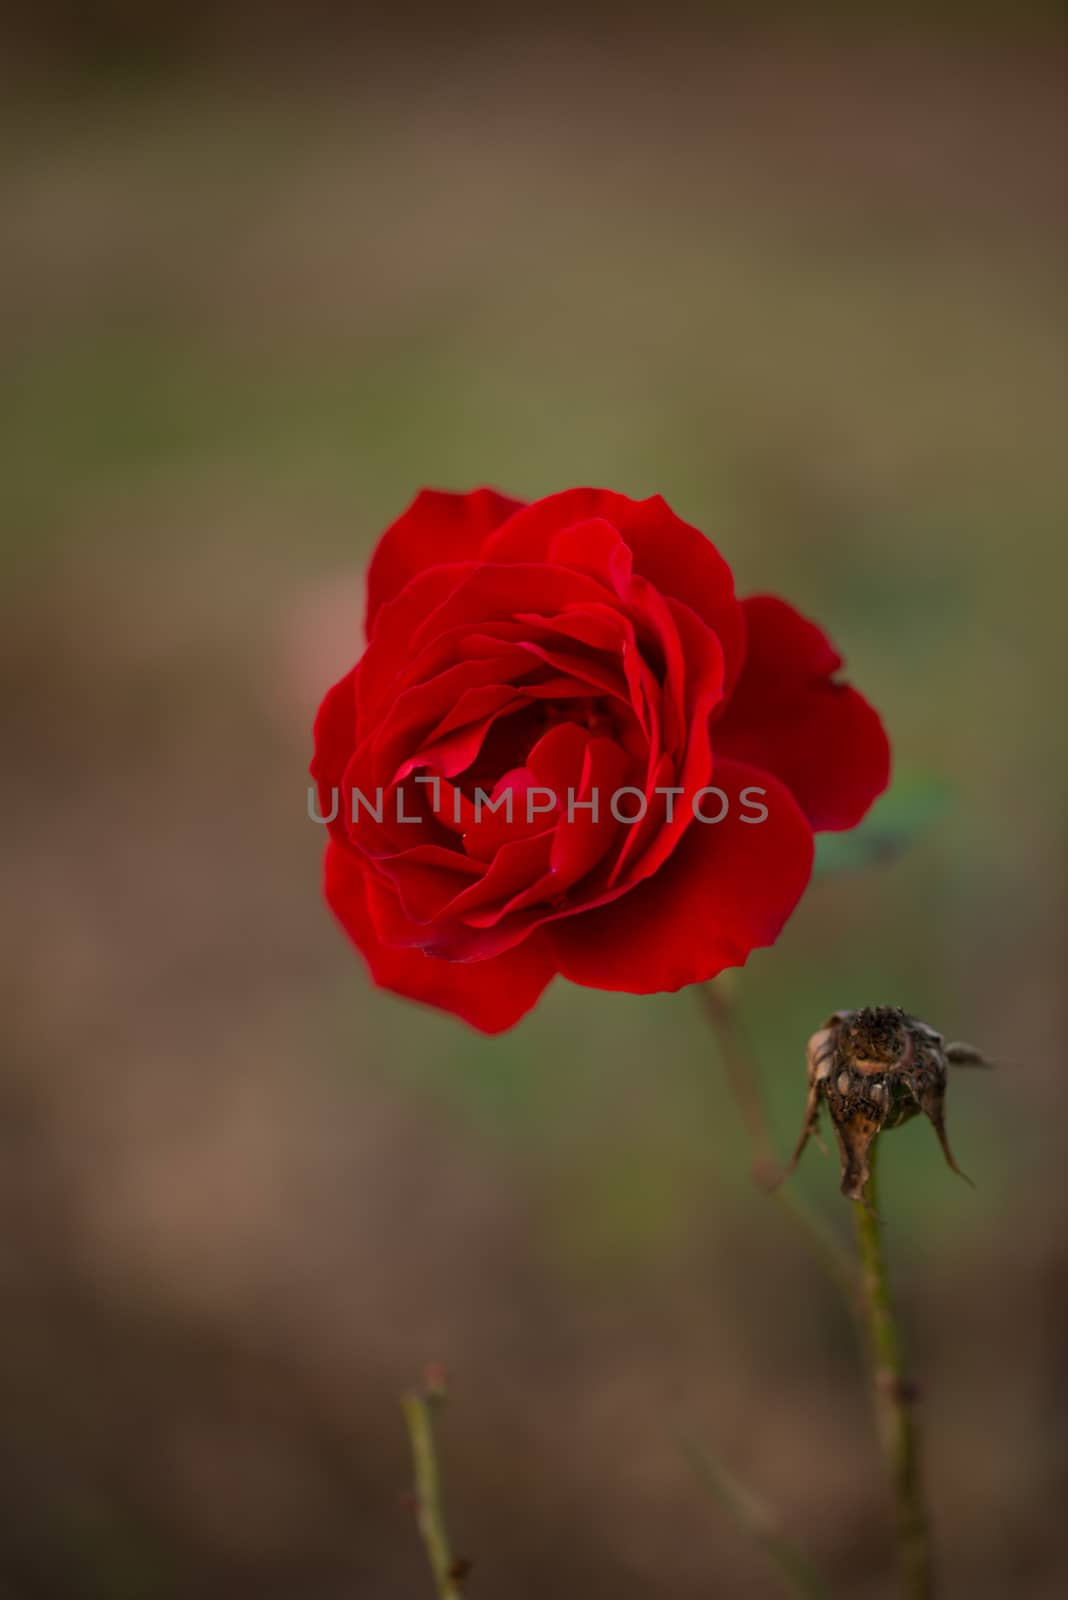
[(263, 278)]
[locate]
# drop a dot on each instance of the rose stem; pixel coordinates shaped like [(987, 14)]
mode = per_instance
[(743, 1081), (755, 1520), (895, 1401), (419, 1411)]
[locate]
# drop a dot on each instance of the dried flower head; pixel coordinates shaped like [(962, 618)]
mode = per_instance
[(875, 1069)]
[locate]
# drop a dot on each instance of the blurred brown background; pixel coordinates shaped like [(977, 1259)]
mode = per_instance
[(264, 275)]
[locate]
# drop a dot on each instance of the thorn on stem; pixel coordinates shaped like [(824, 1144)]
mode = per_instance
[(435, 1386), (905, 1391)]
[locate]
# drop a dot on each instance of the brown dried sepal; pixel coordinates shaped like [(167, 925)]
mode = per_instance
[(874, 1069)]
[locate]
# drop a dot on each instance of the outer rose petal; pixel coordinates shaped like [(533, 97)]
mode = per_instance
[(335, 735), (490, 995), (823, 739), (727, 889), (437, 529)]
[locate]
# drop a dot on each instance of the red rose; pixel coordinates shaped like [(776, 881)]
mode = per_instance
[(582, 662)]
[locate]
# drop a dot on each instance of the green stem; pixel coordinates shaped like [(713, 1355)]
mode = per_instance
[(429, 1511), (895, 1402), (757, 1522), (743, 1081)]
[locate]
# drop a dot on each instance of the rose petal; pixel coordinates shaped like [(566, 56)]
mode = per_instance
[(421, 881), (489, 593), (490, 995), (452, 751), (429, 710), (728, 888), (786, 715), (396, 622), (584, 840), (437, 529), (676, 557), (488, 828), (515, 865), (596, 548), (646, 847), (335, 738)]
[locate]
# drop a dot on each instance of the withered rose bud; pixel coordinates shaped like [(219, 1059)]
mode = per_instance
[(875, 1069)]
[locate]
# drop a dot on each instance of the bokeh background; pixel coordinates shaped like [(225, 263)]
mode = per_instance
[(264, 274)]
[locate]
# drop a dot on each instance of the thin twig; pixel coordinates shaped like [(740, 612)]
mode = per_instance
[(419, 1408), (743, 1081), (755, 1520), (895, 1402)]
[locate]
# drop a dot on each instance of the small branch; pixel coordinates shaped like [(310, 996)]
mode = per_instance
[(743, 1081), (755, 1520), (419, 1408), (895, 1402)]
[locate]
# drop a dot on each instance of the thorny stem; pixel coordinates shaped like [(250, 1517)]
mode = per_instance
[(743, 1081), (895, 1402), (894, 1395), (419, 1408)]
